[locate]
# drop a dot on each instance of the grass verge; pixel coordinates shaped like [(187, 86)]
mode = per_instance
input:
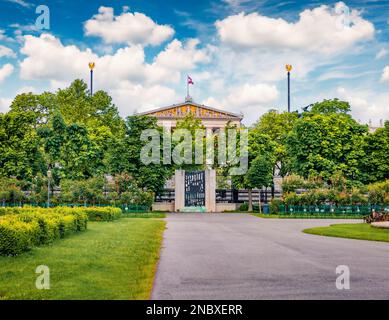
[(154, 214), (362, 231), (115, 260)]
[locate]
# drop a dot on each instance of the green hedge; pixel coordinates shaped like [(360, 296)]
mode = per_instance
[(93, 213), (29, 227)]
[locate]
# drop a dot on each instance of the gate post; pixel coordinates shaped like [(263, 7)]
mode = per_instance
[(210, 190), (179, 194)]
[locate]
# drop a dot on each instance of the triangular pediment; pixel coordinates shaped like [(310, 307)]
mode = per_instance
[(183, 109)]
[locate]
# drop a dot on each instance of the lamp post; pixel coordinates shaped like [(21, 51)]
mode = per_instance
[(288, 69), (91, 67), (48, 187)]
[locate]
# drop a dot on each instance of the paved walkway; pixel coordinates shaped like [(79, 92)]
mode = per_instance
[(235, 256)]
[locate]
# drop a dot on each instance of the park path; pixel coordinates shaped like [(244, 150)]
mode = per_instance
[(237, 256)]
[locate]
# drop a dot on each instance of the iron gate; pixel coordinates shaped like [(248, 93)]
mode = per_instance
[(194, 188)]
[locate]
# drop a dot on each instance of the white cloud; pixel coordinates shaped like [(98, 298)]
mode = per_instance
[(317, 30), (130, 28), (177, 56), (6, 52), (366, 104), (246, 98), (125, 74), (385, 74), (382, 53), (5, 71), (22, 3)]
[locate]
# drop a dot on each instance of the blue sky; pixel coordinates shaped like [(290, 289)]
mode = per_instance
[(234, 50)]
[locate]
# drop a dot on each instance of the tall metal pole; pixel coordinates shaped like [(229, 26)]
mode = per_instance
[(91, 82), (91, 67), (288, 91), (288, 69)]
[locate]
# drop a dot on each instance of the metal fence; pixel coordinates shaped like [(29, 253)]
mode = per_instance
[(320, 210)]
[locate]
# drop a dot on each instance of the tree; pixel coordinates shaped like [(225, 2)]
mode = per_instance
[(375, 165), (331, 106), (278, 126), (322, 144), (125, 157), (260, 147), (260, 173), (19, 146)]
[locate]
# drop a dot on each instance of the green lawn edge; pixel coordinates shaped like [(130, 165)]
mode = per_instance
[(110, 261), (358, 231)]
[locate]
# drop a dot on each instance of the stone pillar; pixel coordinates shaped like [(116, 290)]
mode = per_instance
[(179, 190), (210, 190)]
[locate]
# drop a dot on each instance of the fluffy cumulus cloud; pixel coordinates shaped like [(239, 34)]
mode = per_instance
[(5, 71), (130, 28), (366, 104), (385, 74), (247, 98), (125, 74), (320, 30)]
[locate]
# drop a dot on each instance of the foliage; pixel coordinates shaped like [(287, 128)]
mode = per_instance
[(19, 146), (275, 206), (323, 144), (36, 226), (277, 126), (331, 106), (375, 164)]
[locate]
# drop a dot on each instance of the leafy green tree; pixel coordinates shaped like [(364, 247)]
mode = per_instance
[(260, 147), (19, 146), (125, 157), (277, 126), (331, 106), (322, 144), (375, 165), (260, 173)]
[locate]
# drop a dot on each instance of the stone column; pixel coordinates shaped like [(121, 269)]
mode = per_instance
[(210, 190), (179, 190)]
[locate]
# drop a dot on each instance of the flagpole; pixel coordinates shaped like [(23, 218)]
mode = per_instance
[(187, 86)]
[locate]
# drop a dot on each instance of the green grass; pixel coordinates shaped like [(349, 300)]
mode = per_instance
[(154, 214), (111, 260), (266, 216), (362, 231)]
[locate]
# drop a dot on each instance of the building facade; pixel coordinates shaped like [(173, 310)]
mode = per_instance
[(212, 119)]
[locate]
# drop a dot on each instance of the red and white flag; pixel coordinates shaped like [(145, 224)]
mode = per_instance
[(190, 81)]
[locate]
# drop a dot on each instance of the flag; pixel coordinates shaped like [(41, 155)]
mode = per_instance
[(190, 81)]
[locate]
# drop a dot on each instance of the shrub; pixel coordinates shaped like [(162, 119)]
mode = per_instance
[(292, 183), (101, 213), (275, 206), (244, 207), (16, 236), (23, 228)]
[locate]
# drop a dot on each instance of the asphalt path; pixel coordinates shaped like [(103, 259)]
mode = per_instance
[(238, 256)]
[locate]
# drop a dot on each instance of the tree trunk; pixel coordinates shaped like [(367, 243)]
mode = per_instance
[(272, 191), (250, 194)]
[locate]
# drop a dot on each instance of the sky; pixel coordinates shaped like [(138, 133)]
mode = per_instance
[(234, 50)]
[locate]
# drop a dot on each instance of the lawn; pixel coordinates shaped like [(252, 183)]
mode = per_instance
[(362, 231), (111, 260)]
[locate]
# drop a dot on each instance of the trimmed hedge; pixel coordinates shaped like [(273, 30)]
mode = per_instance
[(93, 213), (28, 227)]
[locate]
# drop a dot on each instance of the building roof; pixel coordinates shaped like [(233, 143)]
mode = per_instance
[(180, 110)]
